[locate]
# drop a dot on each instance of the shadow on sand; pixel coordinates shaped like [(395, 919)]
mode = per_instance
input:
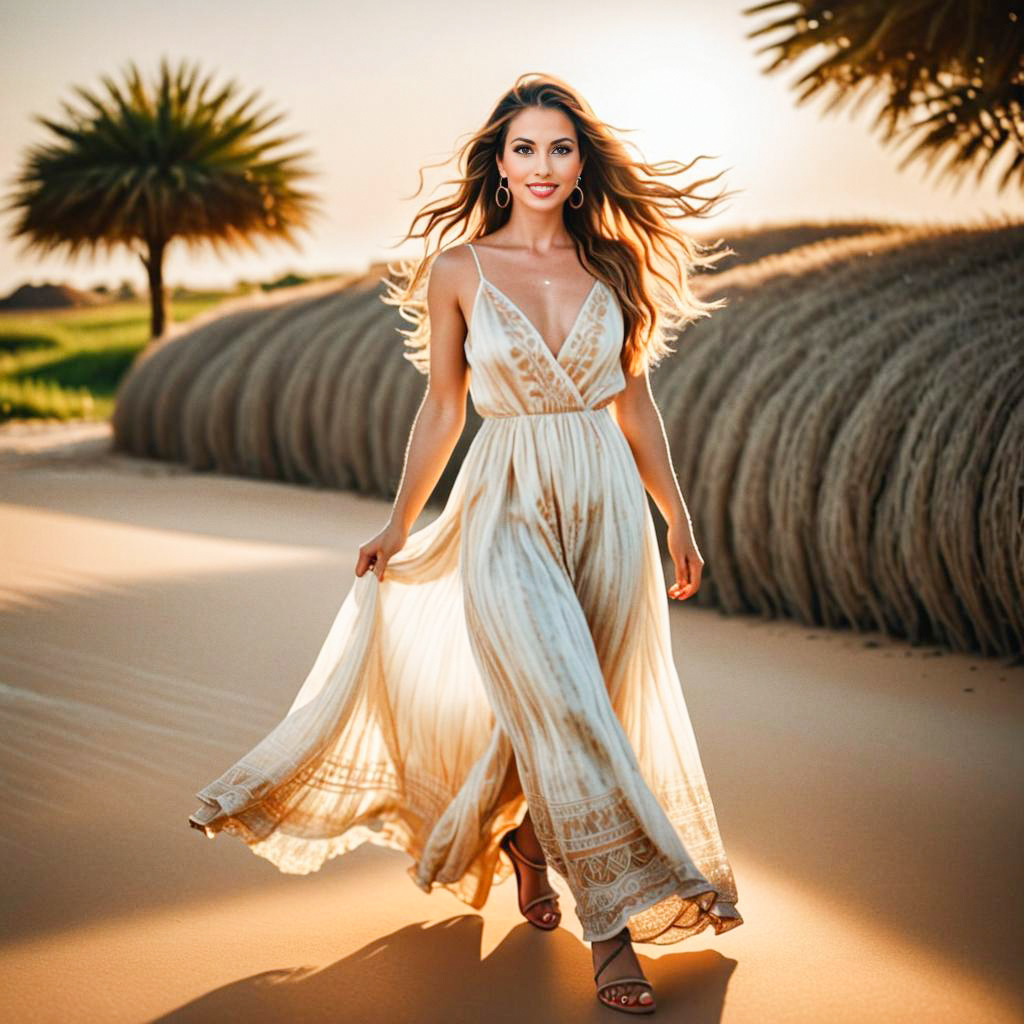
[(427, 974)]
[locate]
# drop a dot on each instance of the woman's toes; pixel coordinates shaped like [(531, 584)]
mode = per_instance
[(548, 916), (629, 996)]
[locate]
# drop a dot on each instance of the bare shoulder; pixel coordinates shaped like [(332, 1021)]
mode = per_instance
[(453, 278), (453, 263)]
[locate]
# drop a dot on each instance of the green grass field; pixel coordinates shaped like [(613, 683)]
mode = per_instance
[(66, 364)]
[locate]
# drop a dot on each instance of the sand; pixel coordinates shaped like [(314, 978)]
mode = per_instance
[(156, 622)]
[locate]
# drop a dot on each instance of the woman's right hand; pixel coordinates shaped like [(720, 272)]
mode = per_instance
[(374, 554)]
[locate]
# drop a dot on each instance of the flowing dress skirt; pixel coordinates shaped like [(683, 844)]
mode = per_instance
[(516, 654)]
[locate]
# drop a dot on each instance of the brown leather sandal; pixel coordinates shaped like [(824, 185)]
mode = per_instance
[(622, 1005), (516, 856)]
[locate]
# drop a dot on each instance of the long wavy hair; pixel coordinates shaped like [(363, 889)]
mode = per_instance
[(623, 231)]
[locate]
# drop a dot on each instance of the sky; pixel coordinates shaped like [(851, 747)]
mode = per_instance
[(378, 91)]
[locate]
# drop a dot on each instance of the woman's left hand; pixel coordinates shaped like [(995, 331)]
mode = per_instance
[(688, 562)]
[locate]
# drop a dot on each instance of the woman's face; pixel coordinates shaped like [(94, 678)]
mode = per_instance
[(541, 147)]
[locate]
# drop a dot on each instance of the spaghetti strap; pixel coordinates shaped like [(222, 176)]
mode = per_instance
[(480, 270)]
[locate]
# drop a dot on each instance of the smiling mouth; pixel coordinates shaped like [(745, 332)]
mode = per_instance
[(542, 190)]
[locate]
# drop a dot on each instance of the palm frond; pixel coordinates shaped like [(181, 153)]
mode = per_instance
[(951, 73), (152, 161)]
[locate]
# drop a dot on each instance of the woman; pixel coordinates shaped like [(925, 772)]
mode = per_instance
[(502, 679)]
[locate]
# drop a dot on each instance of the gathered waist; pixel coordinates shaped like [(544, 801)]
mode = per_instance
[(546, 412)]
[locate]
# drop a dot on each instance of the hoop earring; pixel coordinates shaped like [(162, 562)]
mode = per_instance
[(499, 189), (576, 206)]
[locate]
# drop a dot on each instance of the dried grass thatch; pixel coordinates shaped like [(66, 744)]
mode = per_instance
[(849, 435), (848, 431), (754, 243)]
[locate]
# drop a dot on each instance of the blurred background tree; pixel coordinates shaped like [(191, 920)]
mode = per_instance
[(951, 73), (150, 162)]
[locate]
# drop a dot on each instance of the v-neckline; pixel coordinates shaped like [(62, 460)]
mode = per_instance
[(556, 356)]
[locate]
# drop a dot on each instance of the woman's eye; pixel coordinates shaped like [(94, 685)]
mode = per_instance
[(523, 145)]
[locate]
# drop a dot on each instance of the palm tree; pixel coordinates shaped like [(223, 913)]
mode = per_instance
[(145, 164), (952, 72)]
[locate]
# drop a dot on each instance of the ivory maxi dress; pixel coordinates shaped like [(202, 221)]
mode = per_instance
[(516, 655)]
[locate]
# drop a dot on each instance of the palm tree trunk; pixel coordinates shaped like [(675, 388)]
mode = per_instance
[(154, 264)]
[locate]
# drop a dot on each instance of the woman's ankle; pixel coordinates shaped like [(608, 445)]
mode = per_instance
[(526, 840)]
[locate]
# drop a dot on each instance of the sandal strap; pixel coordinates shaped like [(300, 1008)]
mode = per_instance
[(540, 899), (511, 848), (626, 981), (624, 941)]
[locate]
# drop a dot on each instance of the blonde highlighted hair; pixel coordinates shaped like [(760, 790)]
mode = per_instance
[(623, 231)]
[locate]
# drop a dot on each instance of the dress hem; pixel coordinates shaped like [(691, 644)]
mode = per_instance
[(714, 912)]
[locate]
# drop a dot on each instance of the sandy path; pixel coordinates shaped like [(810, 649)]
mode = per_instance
[(154, 623)]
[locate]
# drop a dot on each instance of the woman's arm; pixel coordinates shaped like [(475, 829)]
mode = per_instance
[(637, 415), (439, 421)]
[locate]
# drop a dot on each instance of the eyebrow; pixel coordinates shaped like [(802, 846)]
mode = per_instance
[(523, 138)]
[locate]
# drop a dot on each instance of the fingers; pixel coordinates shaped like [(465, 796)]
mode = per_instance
[(376, 552), (376, 566), (370, 560), (687, 580)]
